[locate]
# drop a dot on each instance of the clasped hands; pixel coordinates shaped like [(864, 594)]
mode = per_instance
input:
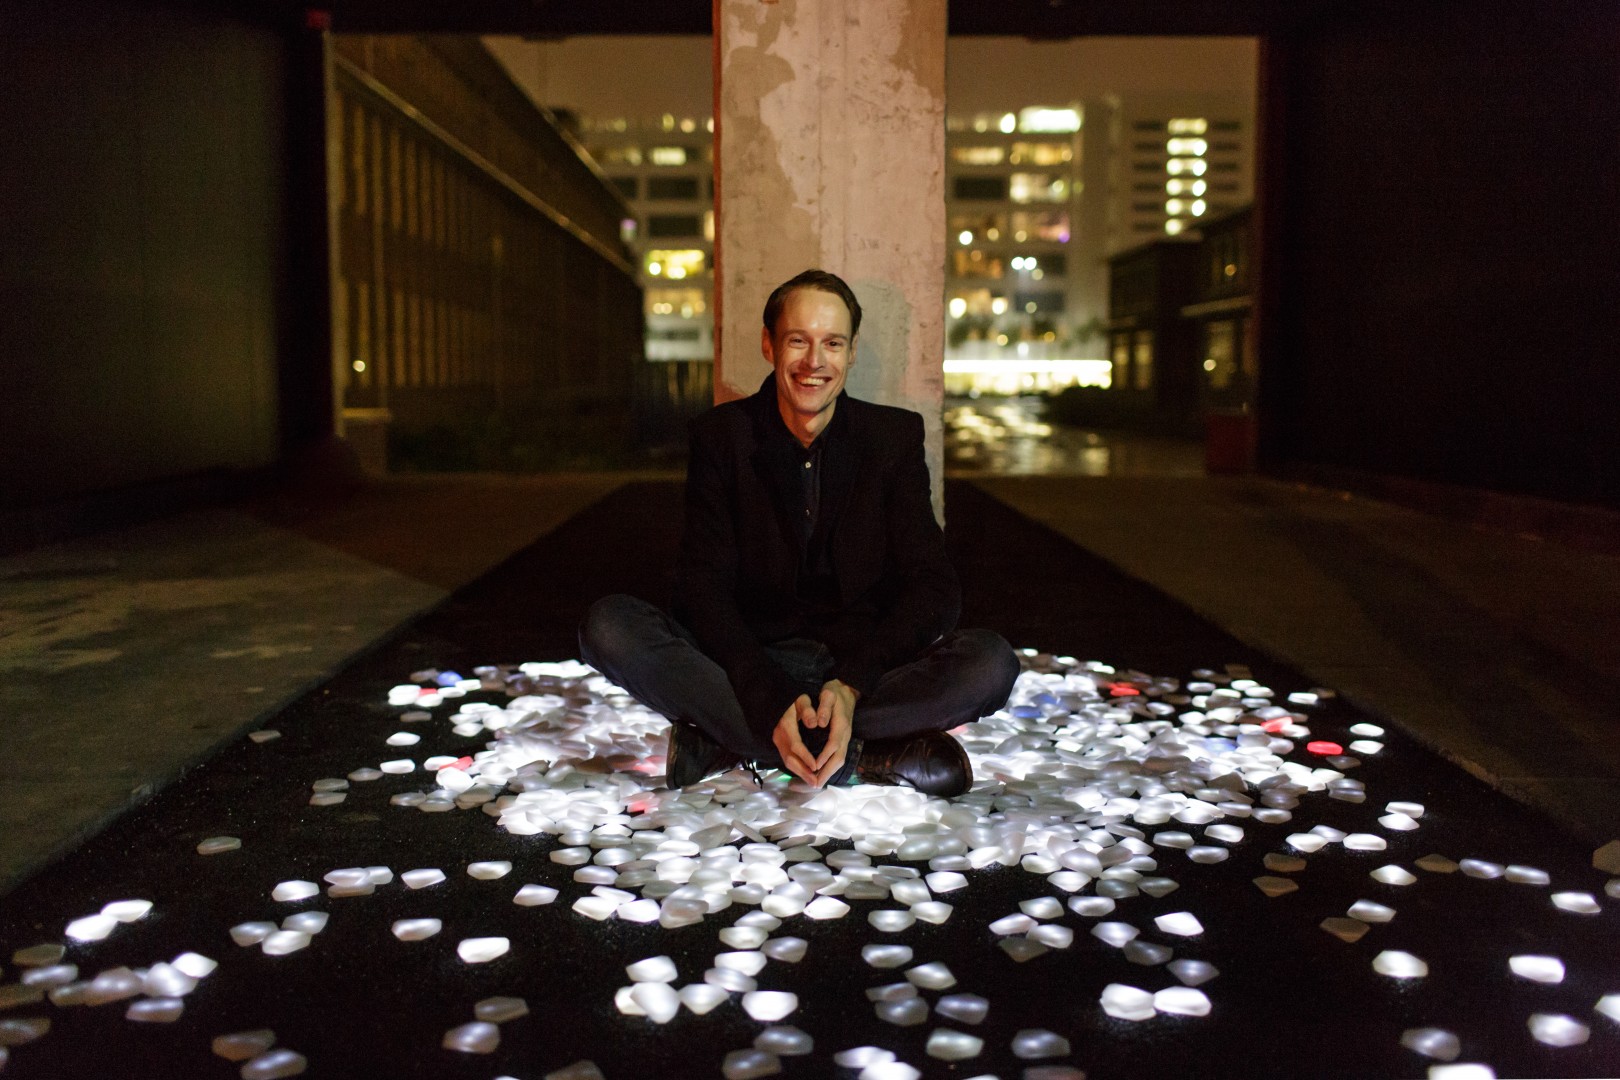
[(835, 711)]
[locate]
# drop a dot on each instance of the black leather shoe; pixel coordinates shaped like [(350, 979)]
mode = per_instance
[(692, 756), (933, 763)]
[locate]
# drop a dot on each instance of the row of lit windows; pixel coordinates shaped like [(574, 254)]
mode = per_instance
[(979, 303), (1020, 153), (1037, 119), (661, 156), (1017, 188), (1187, 125), (1023, 226), (995, 265), (667, 122), (676, 264)]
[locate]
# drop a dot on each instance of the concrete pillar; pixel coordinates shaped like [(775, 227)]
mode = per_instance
[(830, 153)]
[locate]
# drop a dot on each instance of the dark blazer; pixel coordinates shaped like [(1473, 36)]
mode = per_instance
[(736, 579)]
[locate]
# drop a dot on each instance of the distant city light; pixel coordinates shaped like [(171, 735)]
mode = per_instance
[(1173, 226), (1198, 207), (998, 306), (668, 155), (1038, 119), (1189, 126), (958, 307), (1009, 124), (359, 365), (965, 237)]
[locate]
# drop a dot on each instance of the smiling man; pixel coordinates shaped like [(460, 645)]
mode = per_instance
[(815, 608)]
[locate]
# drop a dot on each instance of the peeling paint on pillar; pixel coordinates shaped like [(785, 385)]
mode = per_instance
[(830, 152)]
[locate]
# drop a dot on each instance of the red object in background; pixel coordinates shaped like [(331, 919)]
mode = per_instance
[(1274, 726), (1120, 689), (316, 19), (460, 763), (1327, 749)]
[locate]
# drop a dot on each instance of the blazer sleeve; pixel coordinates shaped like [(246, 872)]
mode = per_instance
[(706, 587), (929, 598)]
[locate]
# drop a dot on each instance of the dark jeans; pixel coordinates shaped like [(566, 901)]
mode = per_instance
[(964, 675)]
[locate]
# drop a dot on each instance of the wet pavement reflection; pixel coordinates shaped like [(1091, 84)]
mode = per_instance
[(1007, 436)]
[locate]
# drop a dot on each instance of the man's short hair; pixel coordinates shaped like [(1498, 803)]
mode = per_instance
[(813, 279)]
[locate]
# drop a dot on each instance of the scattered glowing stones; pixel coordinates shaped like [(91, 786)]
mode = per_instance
[(416, 929), (275, 1065), (770, 1005), (1436, 1043), (702, 998), (1398, 822), (1526, 875), (1114, 933), (750, 1064), (784, 1040), (933, 976), (283, 942), (890, 921), (1399, 965), (1393, 875), (1556, 1029), (1541, 969), (1365, 842), (483, 949), (499, 1010), (658, 1001), (251, 933), (1091, 907), (91, 928), (536, 895), (1609, 1005), (1012, 924), (421, 879), (1193, 972), (1307, 842), (659, 969), (788, 950)]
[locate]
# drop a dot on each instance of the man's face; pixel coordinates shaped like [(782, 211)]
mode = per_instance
[(811, 351)]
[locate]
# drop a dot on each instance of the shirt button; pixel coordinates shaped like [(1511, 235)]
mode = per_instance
[(807, 464)]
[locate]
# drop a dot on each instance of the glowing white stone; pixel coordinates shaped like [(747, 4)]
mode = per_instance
[(38, 955), (890, 921), (1012, 924), (167, 981), (1180, 923), (498, 1010), (1226, 834), (788, 950), (1181, 1001), (886, 956), (963, 1008), (902, 1012), (1053, 936), (1207, 855), (398, 766), (421, 879), (489, 871), (308, 922), (1527, 875), (934, 976), (114, 984), (1578, 903), (826, 907), (625, 1003), (597, 907), (1609, 1005), (770, 1005), (658, 1001), (1398, 822), (1123, 1003), (1479, 868), (1276, 886), (743, 937), (1541, 969), (274, 1065), (1556, 1029), (416, 929), (1091, 907), (784, 1040), (474, 1038), (289, 891), (1369, 912), (945, 881), (218, 845), (1399, 965), (1365, 842), (1307, 842), (195, 965), (251, 933), (948, 1045), (935, 912), (1114, 933), (749, 1064), (1393, 875), (1042, 907), (155, 1010), (241, 1045), (1158, 886), (701, 998), (536, 895), (91, 927), (748, 962), (1193, 972), (482, 950), (403, 738), (1436, 1043), (283, 942), (653, 969)]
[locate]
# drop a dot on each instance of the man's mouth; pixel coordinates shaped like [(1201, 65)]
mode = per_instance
[(811, 381)]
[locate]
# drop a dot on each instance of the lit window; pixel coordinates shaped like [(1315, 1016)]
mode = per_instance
[(977, 155), (1189, 126), (676, 264), (1041, 153), (1037, 187), (965, 237), (687, 302), (1173, 226), (1009, 124), (1198, 207), (1193, 166), (1174, 206), (688, 125), (981, 124), (1187, 147), (1037, 119), (668, 122), (618, 155), (998, 306), (667, 155), (708, 225), (958, 307)]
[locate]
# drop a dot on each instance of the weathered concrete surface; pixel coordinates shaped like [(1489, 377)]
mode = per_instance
[(829, 133)]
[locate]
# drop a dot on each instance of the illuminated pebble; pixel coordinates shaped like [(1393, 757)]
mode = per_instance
[(366, 775), (1307, 842), (1181, 1001), (307, 922), (1369, 912), (264, 735), (91, 927), (1226, 834), (785, 906), (283, 942), (218, 845), (1462, 1071), (38, 955), (251, 933), (769, 1005), (963, 1008), (499, 1010), (1180, 923), (166, 981), (886, 956), (195, 965), (1398, 822), (23, 1031), (421, 879), (1122, 1003), (1039, 864), (1021, 949), (658, 1001), (859, 1057), (489, 871), (933, 976), (890, 921), (1609, 1005), (1328, 833), (1035, 1044), (787, 950), (1365, 842), (1526, 875), (1114, 933), (653, 969), (929, 911), (1436, 1043), (1612, 888), (1284, 864), (1348, 930), (785, 1040), (1436, 864), (1121, 889), (947, 1045), (749, 962), (743, 937), (1193, 972), (1276, 886), (241, 1045), (536, 895), (626, 1003), (416, 929), (1207, 855), (1147, 953), (702, 998), (598, 907), (892, 992), (1541, 969), (1091, 907), (407, 798), (1012, 924), (1399, 965), (1556, 1029), (331, 783), (114, 984), (1607, 857), (477, 1037), (1393, 875), (908, 892), (403, 738), (750, 1064), (1324, 748), (1479, 868), (1179, 840), (1052, 936), (328, 798), (353, 877), (398, 766), (1579, 903), (1158, 886), (291, 891), (275, 1065), (826, 907), (49, 977), (1042, 907), (481, 950), (1368, 747), (942, 881)]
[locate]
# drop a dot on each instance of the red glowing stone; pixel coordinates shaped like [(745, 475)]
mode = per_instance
[(1325, 748), (460, 763), (1120, 689), (1274, 726)]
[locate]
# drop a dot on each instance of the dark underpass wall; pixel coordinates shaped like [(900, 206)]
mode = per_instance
[(140, 231), (1449, 241)]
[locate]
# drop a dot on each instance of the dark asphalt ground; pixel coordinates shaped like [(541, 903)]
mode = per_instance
[(1291, 1000)]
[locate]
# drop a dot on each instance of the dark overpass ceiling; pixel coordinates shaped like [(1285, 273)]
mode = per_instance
[(1039, 19)]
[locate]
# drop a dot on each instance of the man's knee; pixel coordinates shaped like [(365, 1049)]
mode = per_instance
[(990, 663), (607, 629)]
